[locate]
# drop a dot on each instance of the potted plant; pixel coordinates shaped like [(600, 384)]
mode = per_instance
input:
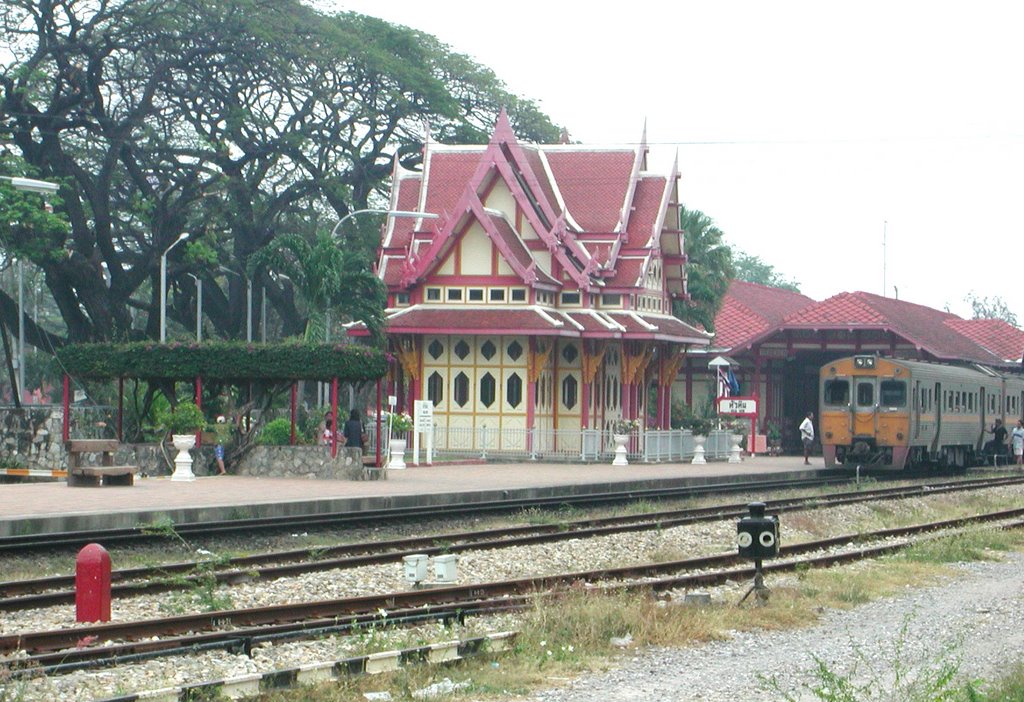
[(400, 424), (625, 426), (182, 423), (621, 429)]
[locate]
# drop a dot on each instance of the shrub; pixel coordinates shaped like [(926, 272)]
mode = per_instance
[(186, 418), (276, 433)]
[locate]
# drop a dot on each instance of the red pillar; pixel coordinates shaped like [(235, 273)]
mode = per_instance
[(199, 404), (379, 428), (334, 417), (92, 584)]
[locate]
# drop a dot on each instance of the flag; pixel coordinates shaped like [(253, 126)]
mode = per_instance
[(724, 386), (734, 385)]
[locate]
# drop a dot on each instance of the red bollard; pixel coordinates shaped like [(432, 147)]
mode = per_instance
[(92, 584)]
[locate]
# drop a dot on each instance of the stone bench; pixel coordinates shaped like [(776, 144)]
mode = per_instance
[(106, 473)]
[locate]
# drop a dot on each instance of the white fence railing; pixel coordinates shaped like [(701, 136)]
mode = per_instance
[(654, 446)]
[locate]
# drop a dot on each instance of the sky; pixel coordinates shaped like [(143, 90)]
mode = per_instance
[(875, 146)]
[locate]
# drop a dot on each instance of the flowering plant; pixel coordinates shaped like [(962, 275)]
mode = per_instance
[(625, 426), (400, 422)]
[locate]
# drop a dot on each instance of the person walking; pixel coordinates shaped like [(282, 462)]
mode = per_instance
[(807, 436)]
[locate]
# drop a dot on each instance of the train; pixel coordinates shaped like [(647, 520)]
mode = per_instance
[(898, 414)]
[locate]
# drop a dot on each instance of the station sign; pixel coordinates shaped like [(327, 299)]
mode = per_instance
[(738, 406)]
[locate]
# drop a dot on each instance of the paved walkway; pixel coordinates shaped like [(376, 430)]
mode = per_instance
[(55, 506)]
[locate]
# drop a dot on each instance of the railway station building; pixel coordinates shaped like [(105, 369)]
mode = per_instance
[(778, 340), (538, 302)]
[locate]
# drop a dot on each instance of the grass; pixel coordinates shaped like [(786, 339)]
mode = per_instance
[(570, 637)]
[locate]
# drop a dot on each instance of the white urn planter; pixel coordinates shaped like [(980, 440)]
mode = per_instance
[(183, 461), (620, 449), (734, 448), (698, 450), (397, 454)]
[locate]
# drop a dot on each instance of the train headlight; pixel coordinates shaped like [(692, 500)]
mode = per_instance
[(828, 435), (899, 435), (863, 361)]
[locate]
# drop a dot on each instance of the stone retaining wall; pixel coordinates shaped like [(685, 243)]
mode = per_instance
[(32, 439)]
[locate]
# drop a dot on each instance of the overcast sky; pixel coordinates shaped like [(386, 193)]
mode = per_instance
[(812, 132)]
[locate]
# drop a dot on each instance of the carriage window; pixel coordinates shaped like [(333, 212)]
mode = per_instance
[(893, 393), (837, 392), (865, 394)]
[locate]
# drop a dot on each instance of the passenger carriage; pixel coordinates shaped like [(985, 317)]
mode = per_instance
[(893, 413)]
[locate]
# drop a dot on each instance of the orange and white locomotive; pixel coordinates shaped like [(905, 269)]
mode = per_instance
[(894, 413)]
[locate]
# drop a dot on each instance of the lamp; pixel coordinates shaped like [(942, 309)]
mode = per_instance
[(389, 213), (163, 286), (31, 185)]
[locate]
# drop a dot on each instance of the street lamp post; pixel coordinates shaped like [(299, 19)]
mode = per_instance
[(163, 286), (31, 185), (199, 306), (389, 213), (350, 215), (43, 187)]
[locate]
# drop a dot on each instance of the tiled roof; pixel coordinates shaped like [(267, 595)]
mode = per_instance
[(593, 184), (645, 209), (518, 248), (749, 309), (466, 319), (421, 319), (998, 336), (923, 326)]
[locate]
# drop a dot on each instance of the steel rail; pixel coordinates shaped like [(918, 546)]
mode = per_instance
[(181, 575), (346, 608), (71, 539)]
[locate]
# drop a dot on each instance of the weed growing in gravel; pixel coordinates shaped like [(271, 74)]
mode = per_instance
[(975, 545), (164, 527), (935, 680)]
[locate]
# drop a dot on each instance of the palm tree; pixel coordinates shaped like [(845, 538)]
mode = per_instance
[(709, 268), (327, 278)]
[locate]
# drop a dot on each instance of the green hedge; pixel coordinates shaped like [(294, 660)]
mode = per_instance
[(227, 361)]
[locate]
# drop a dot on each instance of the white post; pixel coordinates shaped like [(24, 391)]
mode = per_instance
[(21, 328), (163, 286)]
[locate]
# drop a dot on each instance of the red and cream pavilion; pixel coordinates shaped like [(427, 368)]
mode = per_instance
[(540, 298)]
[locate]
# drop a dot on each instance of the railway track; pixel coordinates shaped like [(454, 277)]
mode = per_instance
[(57, 590), (28, 543), (60, 651)]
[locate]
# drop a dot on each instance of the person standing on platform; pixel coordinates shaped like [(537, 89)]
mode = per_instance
[(354, 431), (807, 436), (1017, 437)]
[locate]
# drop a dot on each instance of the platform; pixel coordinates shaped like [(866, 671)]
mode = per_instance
[(33, 508)]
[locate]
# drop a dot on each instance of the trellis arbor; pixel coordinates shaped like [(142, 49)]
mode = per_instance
[(233, 362)]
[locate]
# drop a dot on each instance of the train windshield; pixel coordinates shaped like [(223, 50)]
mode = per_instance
[(893, 393), (865, 393), (837, 392)]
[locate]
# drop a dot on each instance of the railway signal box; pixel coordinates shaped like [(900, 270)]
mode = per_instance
[(757, 536)]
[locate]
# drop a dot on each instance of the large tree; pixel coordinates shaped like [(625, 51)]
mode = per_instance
[(708, 271), (236, 121), (752, 269)]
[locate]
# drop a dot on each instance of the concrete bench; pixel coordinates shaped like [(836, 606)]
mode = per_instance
[(104, 474)]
